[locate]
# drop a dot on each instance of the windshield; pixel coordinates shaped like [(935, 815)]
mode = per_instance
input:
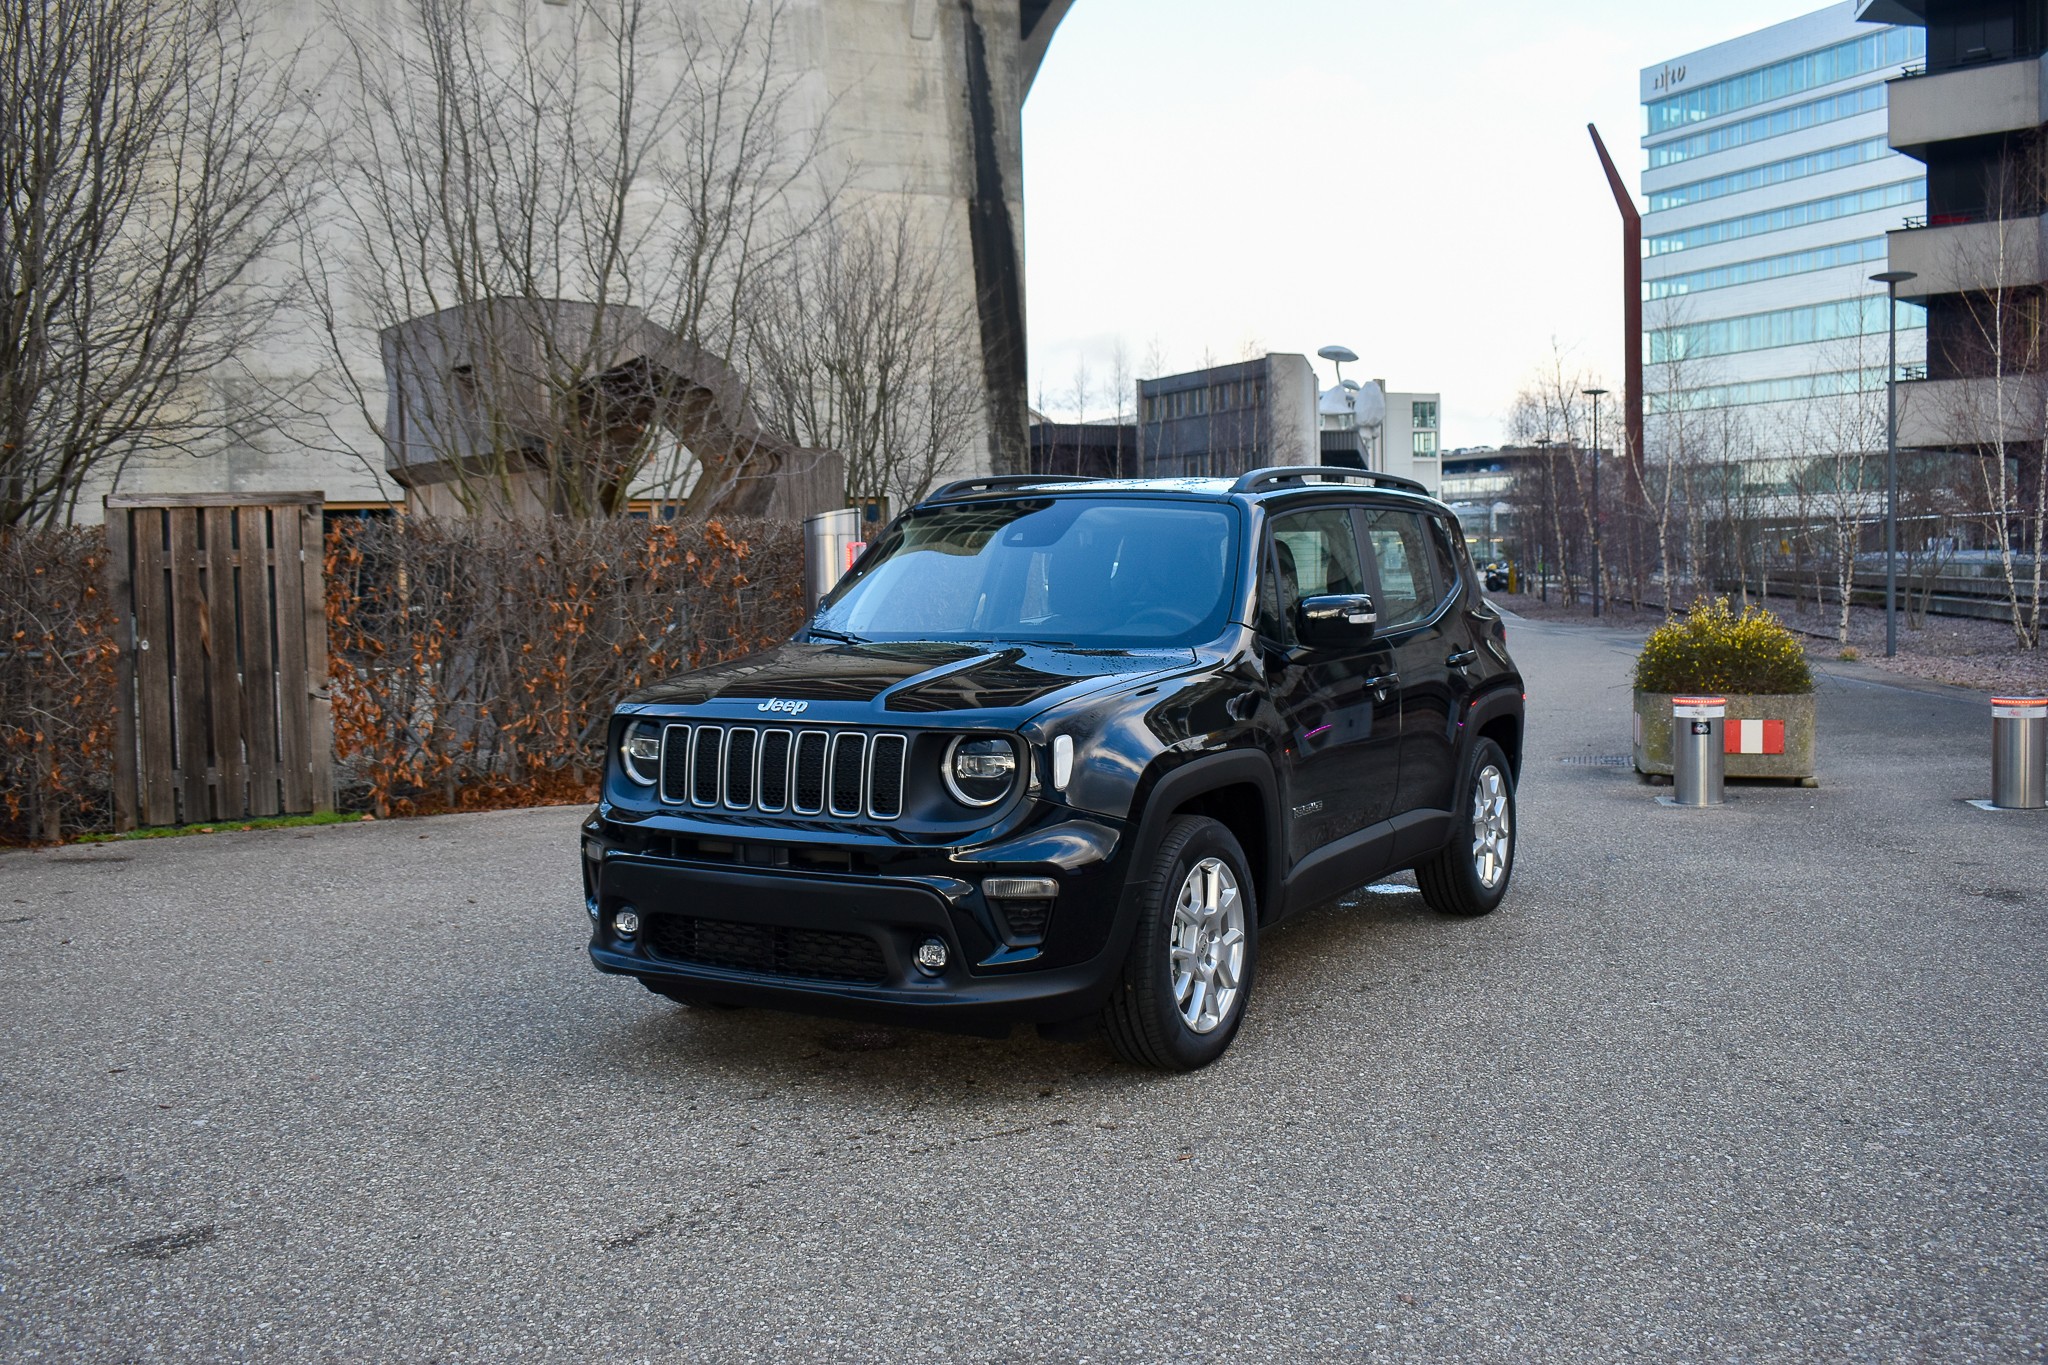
[(1094, 573)]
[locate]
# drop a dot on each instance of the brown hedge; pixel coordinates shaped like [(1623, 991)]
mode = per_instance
[(57, 686), (475, 663)]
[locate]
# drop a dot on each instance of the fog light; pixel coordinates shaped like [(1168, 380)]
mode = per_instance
[(626, 923), (1020, 888), (931, 957)]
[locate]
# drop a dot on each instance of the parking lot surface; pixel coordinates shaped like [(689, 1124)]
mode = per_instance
[(1763, 1082)]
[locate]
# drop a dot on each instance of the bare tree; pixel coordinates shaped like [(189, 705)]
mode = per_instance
[(1552, 407), (859, 345), (1841, 438), (1679, 432), (1999, 344), (551, 221), (151, 159)]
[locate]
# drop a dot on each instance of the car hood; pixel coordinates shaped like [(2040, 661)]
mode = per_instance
[(838, 681)]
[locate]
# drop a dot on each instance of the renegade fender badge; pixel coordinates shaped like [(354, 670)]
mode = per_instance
[(794, 708)]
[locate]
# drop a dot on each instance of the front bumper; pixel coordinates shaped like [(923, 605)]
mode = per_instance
[(758, 931)]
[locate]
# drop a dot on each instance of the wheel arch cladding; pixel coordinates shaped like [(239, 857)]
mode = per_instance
[(1241, 809), (1498, 717), (1237, 790)]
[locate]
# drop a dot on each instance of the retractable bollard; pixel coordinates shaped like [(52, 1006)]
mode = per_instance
[(2019, 753), (1699, 764)]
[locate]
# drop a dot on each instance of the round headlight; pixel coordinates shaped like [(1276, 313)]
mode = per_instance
[(980, 772), (640, 753)]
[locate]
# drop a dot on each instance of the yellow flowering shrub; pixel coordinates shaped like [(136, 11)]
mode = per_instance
[(1711, 649)]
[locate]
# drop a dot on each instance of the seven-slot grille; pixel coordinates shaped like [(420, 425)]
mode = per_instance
[(847, 773)]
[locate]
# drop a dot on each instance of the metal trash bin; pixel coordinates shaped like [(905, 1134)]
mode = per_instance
[(2019, 753), (1699, 763), (832, 541)]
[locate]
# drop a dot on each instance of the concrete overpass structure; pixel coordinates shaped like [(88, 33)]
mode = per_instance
[(921, 100)]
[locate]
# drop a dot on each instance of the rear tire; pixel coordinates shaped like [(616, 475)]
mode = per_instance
[(1470, 875), (1188, 974)]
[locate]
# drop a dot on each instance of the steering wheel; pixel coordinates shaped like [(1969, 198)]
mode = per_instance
[(1165, 615)]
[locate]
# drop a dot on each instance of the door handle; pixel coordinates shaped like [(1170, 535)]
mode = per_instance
[(1379, 686), (1461, 658)]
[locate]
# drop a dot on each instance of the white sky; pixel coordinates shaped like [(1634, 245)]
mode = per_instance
[(1412, 180)]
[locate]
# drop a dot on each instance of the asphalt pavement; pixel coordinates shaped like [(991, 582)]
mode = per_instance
[(1756, 1083)]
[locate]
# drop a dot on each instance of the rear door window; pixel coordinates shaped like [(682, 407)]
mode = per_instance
[(1401, 553)]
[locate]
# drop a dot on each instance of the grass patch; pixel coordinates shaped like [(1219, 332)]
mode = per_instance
[(223, 826)]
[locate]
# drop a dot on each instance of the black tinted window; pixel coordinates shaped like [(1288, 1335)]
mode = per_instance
[(1401, 553), (1313, 553), (1449, 556)]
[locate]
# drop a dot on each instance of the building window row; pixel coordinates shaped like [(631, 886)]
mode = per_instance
[(1766, 268), (1808, 71), (1858, 317), (1774, 173), (1249, 393), (1455, 488), (1791, 216), (1422, 415), (1781, 390), (1424, 444), (1777, 123)]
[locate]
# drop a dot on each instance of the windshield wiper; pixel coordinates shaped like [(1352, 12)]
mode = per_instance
[(838, 635)]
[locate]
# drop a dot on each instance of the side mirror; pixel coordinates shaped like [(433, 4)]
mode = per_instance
[(1339, 621)]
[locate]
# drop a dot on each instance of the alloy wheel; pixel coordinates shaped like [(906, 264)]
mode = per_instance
[(1207, 948), (1492, 827)]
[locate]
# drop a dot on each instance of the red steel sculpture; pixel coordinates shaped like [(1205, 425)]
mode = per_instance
[(1631, 308)]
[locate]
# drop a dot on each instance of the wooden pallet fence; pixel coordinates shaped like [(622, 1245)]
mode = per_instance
[(223, 710)]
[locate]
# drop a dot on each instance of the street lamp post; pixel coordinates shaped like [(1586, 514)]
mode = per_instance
[(1596, 395), (1544, 443), (1891, 280)]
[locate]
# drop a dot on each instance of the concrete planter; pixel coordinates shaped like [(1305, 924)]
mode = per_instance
[(1653, 733)]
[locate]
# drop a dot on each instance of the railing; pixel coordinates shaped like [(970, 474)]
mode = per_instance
[(1952, 218)]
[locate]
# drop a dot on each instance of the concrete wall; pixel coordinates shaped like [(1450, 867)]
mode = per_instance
[(921, 101), (2001, 98)]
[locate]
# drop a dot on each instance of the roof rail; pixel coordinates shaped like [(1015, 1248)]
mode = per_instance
[(989, 483), (1260, 479)]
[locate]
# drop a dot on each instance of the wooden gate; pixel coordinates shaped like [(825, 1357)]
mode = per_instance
[(223, 710)]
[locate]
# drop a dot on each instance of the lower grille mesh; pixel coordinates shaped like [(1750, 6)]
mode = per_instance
[(812, 954)]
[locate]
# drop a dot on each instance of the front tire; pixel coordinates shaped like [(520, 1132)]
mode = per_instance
[(1470, 876), (1188, 974)]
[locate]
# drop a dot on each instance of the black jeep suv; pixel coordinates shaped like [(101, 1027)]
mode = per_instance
[(1061, 752)]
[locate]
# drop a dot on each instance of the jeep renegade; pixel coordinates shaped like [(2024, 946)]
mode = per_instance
[(1060, 751)]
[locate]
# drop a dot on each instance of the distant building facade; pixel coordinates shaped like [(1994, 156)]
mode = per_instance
[(1367, 427), (1088, 450), (1478, 482), (1770, 188), (1976, 116), (1228, 419)]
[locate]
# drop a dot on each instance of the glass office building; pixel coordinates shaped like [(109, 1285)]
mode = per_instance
[(1769, 186)]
